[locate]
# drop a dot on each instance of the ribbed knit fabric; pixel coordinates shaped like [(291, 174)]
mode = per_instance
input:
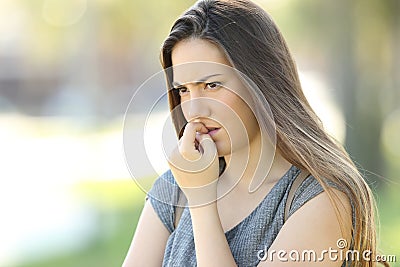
[(256, 232)]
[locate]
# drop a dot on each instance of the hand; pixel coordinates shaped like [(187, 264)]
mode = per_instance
[(195, 165)]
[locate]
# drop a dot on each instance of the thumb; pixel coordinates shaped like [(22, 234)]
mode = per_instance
[(207, 146)]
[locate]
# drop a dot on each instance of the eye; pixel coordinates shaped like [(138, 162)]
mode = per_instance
[(213, 85), (182, 90)]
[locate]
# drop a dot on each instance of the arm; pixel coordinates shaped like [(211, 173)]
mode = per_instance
[(148, 244), (313, 227), (212, 248), (200, 188)]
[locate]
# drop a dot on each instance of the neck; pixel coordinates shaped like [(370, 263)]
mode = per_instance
[(251, 167)]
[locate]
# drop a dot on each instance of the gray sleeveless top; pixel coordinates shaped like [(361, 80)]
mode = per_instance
[(256, 232)]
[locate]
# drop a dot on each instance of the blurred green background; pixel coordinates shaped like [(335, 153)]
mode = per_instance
[(69, 68)]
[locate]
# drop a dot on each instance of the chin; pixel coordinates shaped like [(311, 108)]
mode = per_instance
[(223, 150)]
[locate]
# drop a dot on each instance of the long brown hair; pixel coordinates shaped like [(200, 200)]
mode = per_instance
[(240, 25)]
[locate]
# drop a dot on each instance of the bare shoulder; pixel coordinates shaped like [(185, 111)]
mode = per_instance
[(313, 228), (149, 241)]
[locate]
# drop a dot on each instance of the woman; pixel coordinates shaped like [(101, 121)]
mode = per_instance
[(221, 59)]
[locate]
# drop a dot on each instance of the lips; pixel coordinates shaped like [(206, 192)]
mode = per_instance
[(212, 130), (211, 126)]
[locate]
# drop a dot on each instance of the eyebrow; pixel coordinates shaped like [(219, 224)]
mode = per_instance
[(198, 81)]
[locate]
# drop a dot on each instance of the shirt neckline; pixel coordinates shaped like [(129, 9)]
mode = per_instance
[(293, 169)]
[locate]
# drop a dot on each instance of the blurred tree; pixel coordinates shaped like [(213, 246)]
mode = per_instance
[(354, 45), (365, 70)]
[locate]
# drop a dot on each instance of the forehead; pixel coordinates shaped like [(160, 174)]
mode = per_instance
[(193, 59)]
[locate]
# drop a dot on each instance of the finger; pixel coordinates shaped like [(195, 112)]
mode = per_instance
[(188, 140), (206, 143)]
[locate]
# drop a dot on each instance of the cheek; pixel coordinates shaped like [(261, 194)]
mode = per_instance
[(185, 109), (185, 114), (242, 110), (246, 115)]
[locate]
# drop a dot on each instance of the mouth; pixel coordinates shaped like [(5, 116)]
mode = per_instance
[(212, 130)]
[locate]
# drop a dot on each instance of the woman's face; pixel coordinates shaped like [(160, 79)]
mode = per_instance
[(212, 93)]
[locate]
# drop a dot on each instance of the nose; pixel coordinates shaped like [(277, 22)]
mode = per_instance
[(197, 106)]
